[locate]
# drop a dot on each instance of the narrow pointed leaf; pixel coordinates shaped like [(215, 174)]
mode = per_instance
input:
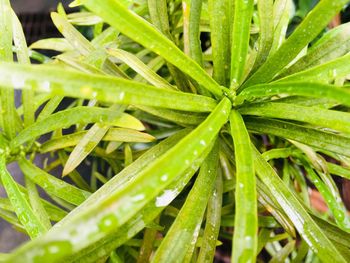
[(81, 44), (311, 26), (266, 31), (102, 88), (136, 28), (220, 39), (331, 119), (312, 137), (136, 64), (49, 107), (212, 223), (21, 206), (137, 223), (102, 218), (129, 173), (305, 225), (182, 118), (77, 115), (240, 39), (337, 208), (85, 146), (53, 185), (332, 45), (185, 229), (23, 57), (7, 97), (37, 205), (113, 135), (282, 255), (324, 73), (281, 16), (246, 219), (195, 48), (56, 44), (307, 89)]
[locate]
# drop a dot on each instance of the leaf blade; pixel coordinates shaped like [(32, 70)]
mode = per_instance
[(21, 206), (136, 28), (246, 219), (311, 233), (104, 88), (303, 35)]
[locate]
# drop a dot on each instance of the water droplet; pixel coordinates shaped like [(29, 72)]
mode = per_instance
[(17, 83), (46, 86), (54, 249), (138, 197), (166, 198), (107, 223), (164, 178)]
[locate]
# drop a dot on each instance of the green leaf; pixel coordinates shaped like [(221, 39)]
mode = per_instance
[(37, 205), (240, 39), (53, 185), (246, 219), (212, 223), (102, 88), (282, 255), (6, 31), (332, 231), (56, 44), (82, 45), (319, 117), (333, 44), (179, 117), (338, 170), (137, 223), (184, 232), (113, 135), (77, 115), (129, 173), (311, 26), (305, 225), (7, 97), (84, 147), (133, 26), (324, 73), (158, 10), (195, 47), (220, 39), (49, 107), (83, 19), (336, 206), (22, 208), (136, 64), (22, 53), (266, 31), (281, 16), (312, 137), (55, 213), (76, 177), (12, 219), (105, 216), (308, 89)]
